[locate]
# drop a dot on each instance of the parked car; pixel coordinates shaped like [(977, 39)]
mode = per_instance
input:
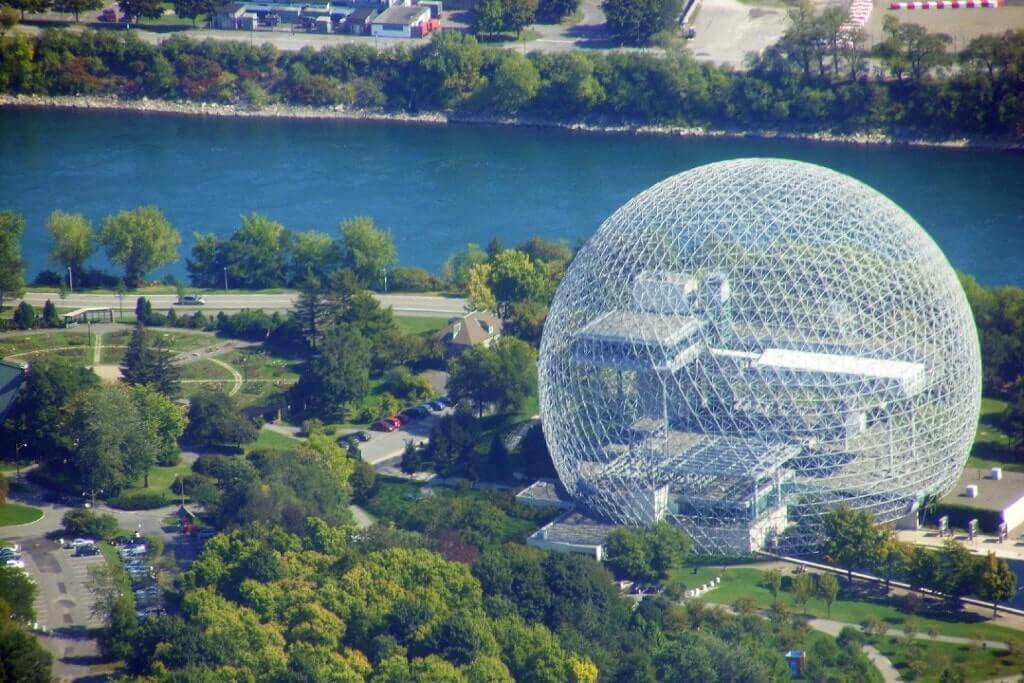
[(385, 425), (405, 417), (360, 436), (108, 15), (86, 551), (79, 542), (18, 564), (436, 406), (133, 551), (9, 554), (447, 401)]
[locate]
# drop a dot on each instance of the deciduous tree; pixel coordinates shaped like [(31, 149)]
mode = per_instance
[(366, 250), (12, 268), (828, 590), (215, 419), (193, 9), (635, 21), (72, 236), (140, 239), (996, 582), (136, 10)]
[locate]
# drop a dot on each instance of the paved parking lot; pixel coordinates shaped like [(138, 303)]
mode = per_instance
[(727, 30), (63, 606), (63, 600), (384, 446)]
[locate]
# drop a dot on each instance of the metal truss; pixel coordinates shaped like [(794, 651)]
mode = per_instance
[(745, 346)]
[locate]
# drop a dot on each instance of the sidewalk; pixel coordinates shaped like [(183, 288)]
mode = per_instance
[(832, 627)]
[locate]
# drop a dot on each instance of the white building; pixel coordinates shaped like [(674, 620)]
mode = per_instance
[(402, 22)]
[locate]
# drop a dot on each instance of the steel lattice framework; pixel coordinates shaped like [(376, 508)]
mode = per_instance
[(748, 344)]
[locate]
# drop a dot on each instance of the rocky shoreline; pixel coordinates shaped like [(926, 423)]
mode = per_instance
[(278, 111)]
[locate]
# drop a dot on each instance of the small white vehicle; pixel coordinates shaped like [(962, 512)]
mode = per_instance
[(191, 300)]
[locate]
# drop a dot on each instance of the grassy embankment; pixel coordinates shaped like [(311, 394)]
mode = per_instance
[(992, 446)]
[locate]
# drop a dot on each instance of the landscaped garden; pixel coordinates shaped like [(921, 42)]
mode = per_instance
[(866, 603), (19, 345)]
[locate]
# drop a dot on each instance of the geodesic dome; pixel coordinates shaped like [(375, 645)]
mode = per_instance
[(746, 345)]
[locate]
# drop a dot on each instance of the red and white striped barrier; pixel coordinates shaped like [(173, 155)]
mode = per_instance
[(946, 4)]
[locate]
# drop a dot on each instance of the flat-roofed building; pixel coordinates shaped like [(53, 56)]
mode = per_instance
[(402, 22)]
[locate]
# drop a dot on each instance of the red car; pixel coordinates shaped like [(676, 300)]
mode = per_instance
[(398, 422), (384, 425)]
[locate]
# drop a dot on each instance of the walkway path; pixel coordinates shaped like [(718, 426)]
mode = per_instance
[(286, 429), (882, 663), (96, 349), (833, 628), (364, 519), (237, 386)]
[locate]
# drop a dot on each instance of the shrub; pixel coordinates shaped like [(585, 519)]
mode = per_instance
[(411, 279), (850, 638), (144, 500), (312, 426), (88, 523)]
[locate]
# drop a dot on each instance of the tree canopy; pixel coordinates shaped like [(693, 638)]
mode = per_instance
[(504, 375), (140, 240), (12, 268), (73, 239), (366, 250)]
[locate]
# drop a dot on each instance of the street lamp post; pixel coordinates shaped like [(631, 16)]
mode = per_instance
[(18, 445), (93, 495), (71, 281), (225, 278)]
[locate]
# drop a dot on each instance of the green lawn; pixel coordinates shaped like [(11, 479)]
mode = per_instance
[(12, 513), (745, 582), (977, 664), (272, 441), (204, 369), (992, 444), (184, 341), (110, 355), (416, 325), (257, 363), (160, 480), (76, 356), (14, 344)]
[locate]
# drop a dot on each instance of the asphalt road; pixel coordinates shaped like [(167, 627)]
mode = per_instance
[(419, 305)]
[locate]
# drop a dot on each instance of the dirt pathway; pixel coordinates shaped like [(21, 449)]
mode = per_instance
[(97, 348), (237, 386)]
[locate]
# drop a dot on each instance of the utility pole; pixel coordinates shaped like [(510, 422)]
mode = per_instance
[(225, 278), (71, 282)]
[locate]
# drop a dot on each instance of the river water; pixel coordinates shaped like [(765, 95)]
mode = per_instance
[(436, 188)]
